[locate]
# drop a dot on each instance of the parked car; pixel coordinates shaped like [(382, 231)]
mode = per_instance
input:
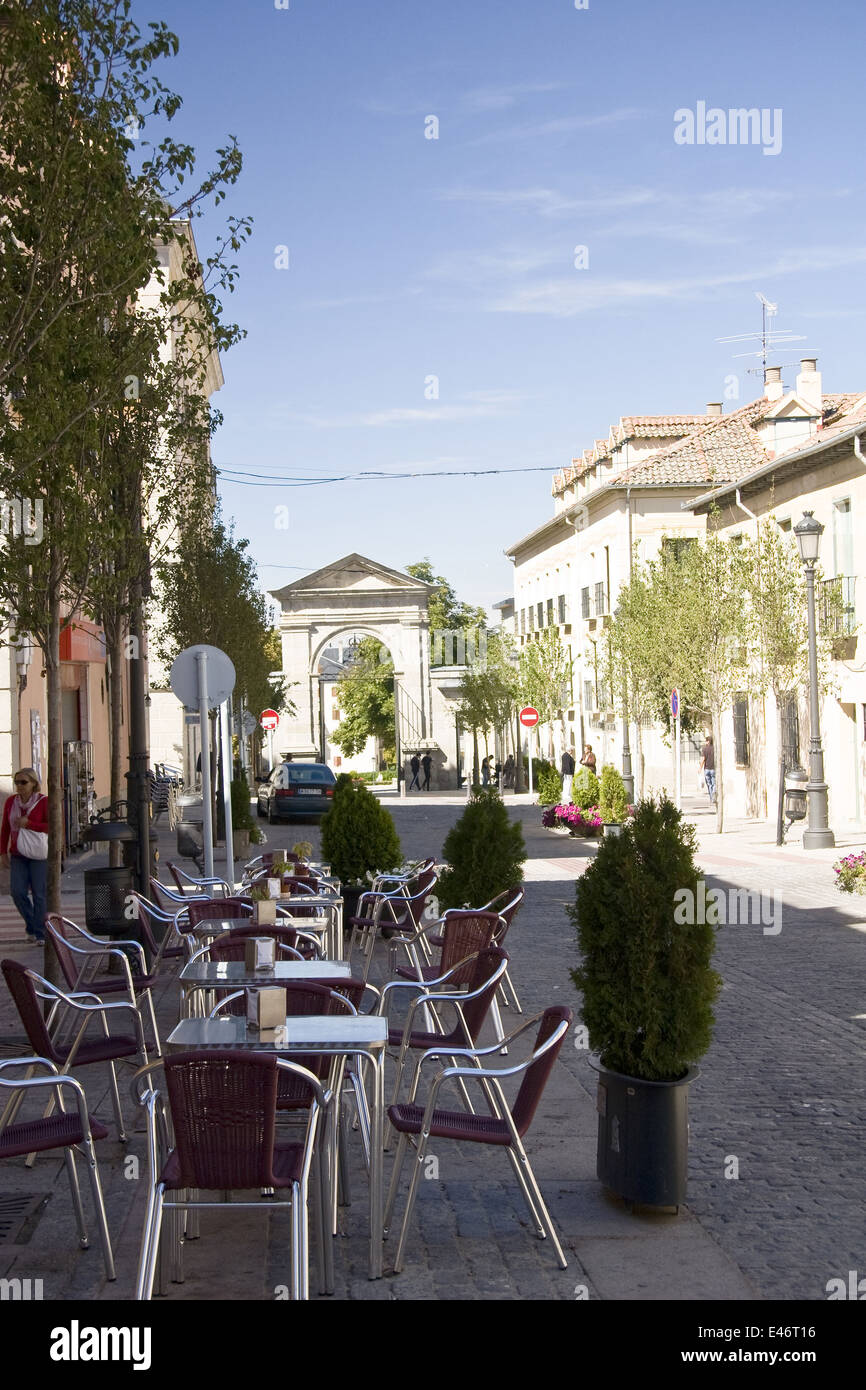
[(296, 791)]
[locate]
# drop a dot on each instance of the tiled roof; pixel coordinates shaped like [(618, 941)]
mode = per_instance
[(726, 449), (629, 427)]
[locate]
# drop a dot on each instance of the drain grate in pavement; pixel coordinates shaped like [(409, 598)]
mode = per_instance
[(19, 1215)]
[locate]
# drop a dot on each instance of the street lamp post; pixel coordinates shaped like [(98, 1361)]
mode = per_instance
[(818, 835)]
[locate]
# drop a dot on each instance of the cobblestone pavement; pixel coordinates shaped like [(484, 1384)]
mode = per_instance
[(780, 1099)]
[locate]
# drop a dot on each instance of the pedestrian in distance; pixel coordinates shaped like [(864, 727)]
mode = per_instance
[(708, 768), (415, 768), (498, 776), (426, 764), (588, 759), (508, 771), (485, 772), (566, 767), (24, 850)]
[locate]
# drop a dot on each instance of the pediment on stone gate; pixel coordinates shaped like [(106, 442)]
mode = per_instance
[(352, 574)]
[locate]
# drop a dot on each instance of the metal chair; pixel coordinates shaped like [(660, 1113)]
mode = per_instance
[(485, 971), (67, 1130), (27, 989), (173, 944), (465, 932), (396, 910), (185, 881), (221, 1109), (505, 1127), (74, 958), (216, 909), (507, 905)]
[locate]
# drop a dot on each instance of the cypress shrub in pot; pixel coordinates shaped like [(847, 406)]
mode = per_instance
[(359, 839), (484, 851), (648, 989)]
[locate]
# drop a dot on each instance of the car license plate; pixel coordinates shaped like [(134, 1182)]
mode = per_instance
[(309, 791)]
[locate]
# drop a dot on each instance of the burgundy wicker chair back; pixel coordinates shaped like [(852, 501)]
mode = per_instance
[(535, 1077), (465, 934), (508, 905), (223, 1107), (69, 964), (214, 909), (178, 881), (304, 1000), (23, 991), (231, 945), (483, 968)]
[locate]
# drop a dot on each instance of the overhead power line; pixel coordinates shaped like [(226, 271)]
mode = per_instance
[(241, 478)]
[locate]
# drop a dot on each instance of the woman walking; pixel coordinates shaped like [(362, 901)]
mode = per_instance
[(24, 848)]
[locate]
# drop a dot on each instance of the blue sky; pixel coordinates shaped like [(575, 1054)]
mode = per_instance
[(454, 257)]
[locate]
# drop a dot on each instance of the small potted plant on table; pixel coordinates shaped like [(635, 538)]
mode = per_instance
[(648, 989)]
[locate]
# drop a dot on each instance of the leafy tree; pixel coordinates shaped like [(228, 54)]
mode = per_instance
[(549, 787), (546, 671), (485, 853), (585, 791), (612, 800), (488, 692), (446, 612), (366, 692), (211, 595)]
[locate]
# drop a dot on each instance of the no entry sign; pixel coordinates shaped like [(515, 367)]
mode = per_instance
[(269, 719), (528, 717), (675, 703)]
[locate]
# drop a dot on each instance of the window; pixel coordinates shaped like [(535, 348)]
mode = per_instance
[(737, 539), (531, 616), (600, 600), (843, 537), (790, 729), (584, 603), (603, 701), (550, 618), (539, 614), (335, 713), (523, 620), (561, 609), (588, 695), (741, 730)]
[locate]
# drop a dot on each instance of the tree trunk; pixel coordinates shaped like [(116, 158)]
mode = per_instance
[(54, 791), (117, 788), (476, 774), (519, 776), (720, 786)]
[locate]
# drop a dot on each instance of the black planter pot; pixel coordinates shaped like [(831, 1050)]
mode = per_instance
[(643, 1137), (350, 906)]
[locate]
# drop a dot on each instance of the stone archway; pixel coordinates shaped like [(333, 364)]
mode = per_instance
[(356, 594)]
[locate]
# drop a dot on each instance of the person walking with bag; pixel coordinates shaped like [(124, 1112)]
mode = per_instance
[(24, 847)]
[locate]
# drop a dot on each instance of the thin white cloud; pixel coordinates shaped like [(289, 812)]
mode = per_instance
[(562, 125), (472, 405), (581, 294), (499, 98)]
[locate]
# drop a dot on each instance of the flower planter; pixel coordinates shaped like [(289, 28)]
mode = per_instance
[(643, 1137)]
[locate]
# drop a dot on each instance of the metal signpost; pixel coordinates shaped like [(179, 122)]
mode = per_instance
[(675, 715), (528, 717), (202, 677), (269, 720)]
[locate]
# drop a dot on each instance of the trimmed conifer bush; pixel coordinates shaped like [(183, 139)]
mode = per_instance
[(484, 851), (358, 835), (549, 787), (612, 801), (646, 978), (585, 790)]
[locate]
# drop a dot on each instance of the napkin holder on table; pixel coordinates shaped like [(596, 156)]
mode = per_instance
[(273, 887), (265, 912), (259, 953), (266, 1008)]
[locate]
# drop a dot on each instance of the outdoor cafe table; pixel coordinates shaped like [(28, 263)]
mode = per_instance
[(340, 1035), (235, 974)]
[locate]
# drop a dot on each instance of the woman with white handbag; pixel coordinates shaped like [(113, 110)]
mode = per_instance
[(24, 847)]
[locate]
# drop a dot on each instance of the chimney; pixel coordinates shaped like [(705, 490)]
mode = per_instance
[(809, 384), (714, 407), (773, 388)]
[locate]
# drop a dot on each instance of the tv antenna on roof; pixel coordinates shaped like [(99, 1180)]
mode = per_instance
[(769, 338)]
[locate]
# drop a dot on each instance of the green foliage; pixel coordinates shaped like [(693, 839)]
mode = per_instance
[(549, 787), (612, 801), (242, 816), (366, 694), (444, 609), (646, 978), (585, 791), (485, 852), (545, 674), (358, 834)]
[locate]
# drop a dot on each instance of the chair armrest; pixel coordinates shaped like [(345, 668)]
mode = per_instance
[(26, 1062)]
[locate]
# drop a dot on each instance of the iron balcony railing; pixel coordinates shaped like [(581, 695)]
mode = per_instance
[(836, 606)]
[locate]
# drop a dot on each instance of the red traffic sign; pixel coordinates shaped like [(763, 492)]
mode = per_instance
[(269, 719), (528, 716), (675, 703)]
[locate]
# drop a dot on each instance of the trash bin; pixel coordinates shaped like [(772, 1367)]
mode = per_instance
[(107, 902)]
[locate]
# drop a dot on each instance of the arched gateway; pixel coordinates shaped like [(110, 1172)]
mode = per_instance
[(356, 597)]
